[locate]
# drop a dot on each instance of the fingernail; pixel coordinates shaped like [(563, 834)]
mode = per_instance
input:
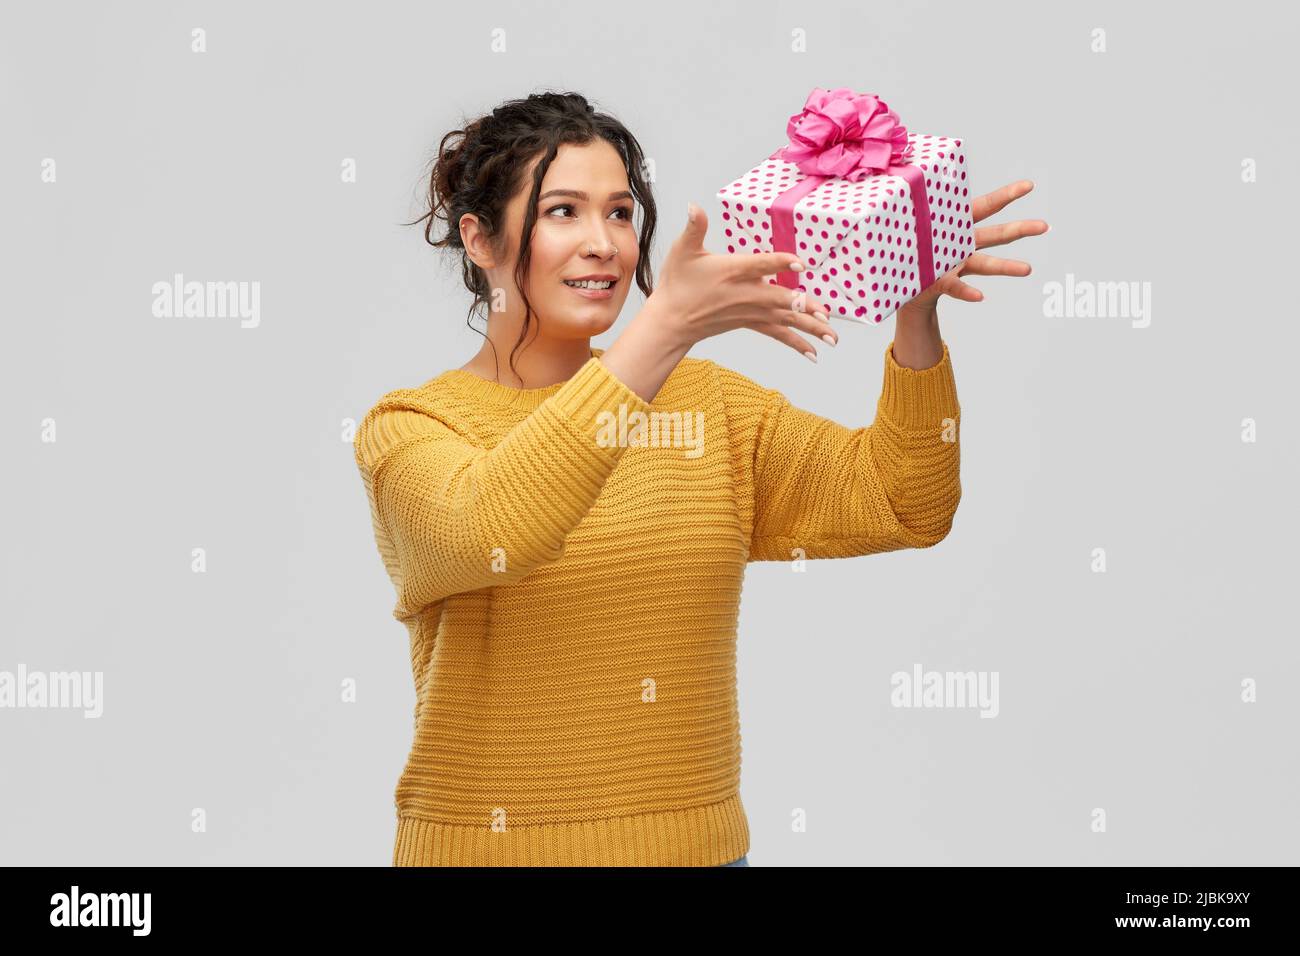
[(796, 267), (690, 212), (1048, 229), (822, 315), (828, 338), (811, 356)]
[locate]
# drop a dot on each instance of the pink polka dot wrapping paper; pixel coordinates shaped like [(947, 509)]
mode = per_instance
[(859, 240)]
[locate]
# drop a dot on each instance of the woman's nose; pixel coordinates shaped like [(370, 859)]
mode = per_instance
[(599, 242)]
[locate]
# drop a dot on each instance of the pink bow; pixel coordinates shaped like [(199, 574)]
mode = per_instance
[(841, 134), (846, 135)]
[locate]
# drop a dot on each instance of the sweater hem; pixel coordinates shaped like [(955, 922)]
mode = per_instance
[(709, 835)]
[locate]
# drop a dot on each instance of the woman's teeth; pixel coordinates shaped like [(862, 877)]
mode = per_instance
[(588, 284)]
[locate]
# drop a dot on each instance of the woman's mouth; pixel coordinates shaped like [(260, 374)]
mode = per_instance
[(591, 288)]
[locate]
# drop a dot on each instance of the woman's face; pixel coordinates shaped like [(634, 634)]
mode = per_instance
[(584, 228)]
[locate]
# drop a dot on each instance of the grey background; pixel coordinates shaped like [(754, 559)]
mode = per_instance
[(222, 690)]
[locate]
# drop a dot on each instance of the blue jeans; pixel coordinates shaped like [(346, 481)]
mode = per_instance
[(743, 861)]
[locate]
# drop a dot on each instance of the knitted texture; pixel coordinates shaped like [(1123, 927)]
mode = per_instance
[(572, 600)]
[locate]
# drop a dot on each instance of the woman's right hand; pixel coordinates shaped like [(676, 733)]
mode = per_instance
[(701, 294)]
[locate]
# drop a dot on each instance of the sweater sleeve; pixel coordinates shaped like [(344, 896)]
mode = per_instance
[(822, 490), (452, 516)]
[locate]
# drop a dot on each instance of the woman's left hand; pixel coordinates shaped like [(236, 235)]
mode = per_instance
[(977, 263)]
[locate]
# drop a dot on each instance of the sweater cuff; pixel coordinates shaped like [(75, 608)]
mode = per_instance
[(594, 389), (919, 398)]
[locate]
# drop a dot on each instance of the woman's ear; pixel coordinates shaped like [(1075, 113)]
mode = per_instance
[(477, 245)]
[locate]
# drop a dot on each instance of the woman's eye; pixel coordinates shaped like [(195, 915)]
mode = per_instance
[(627, 213)]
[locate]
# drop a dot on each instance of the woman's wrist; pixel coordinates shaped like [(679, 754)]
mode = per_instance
[(646, 352), (917, 343)]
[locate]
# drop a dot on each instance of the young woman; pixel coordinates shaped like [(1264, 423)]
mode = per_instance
[(567, 531)]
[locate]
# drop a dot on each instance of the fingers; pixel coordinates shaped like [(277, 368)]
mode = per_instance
[(791, 338), (697, 224), (981, 265), (800, 310), (960, 290), (1005, 232), (762, 264), (989, 203)]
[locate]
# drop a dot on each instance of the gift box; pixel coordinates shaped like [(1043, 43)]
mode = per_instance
[(874, 212)]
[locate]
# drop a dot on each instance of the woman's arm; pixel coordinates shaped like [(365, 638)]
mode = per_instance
[(454, 517), (833, 491), (820, 489)]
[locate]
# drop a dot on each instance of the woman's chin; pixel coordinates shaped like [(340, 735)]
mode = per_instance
[(578, 315), (590, 321), (599, 324)]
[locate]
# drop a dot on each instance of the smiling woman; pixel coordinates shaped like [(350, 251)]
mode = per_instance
[(571, 590), (578, 248)]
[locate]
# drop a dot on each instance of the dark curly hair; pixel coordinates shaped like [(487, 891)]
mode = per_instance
[(478, 169)]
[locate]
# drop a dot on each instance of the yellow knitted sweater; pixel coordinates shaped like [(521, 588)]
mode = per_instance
[(570, 576)]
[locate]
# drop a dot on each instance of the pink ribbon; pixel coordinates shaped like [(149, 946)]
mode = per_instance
[(841, 134)]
